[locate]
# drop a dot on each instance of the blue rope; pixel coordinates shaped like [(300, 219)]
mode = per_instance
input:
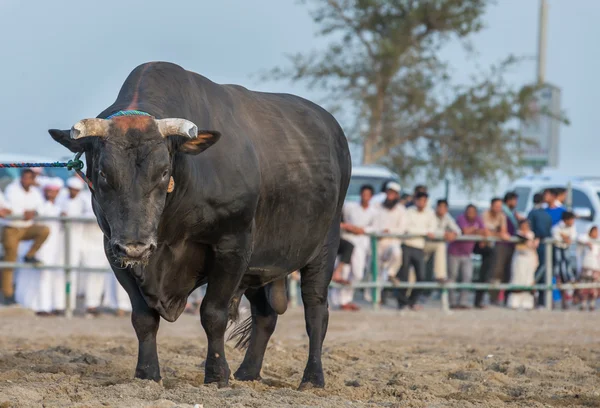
[(128, 113)]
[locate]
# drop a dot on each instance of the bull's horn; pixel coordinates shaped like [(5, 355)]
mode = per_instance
[(177, 127), (89, 127)]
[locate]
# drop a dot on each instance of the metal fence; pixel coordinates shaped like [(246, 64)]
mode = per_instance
[(375, 284), (66, 223), (378, 285)]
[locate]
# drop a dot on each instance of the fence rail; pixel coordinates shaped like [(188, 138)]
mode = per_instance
[(375, 284)]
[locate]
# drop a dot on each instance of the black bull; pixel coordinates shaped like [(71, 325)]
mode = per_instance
[(262, 202)]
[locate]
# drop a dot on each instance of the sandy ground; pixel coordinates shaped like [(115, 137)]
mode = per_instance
[(493, 358)]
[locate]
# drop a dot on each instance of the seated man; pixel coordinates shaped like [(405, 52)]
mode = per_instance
[(24, 200)]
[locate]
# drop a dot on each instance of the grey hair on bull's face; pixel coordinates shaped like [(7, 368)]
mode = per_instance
[(130, 162)]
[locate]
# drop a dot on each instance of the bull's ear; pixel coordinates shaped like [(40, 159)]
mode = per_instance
[(204, 140), (64, 138)]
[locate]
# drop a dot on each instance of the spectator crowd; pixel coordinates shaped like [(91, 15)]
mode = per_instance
[(37, 243), (429, 249)]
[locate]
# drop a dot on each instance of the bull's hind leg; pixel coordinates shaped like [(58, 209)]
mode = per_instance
[(315, 279), (263, 320), (231, 261)]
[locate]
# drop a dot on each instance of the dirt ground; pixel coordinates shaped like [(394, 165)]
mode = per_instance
[(492, 358)]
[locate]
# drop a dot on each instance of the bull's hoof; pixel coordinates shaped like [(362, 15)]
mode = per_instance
[(310, 385), (149, 374), (246, 375), (220, 377), (313, 378)]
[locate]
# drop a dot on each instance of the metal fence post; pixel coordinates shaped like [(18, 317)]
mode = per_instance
[(293, 287), (549, 272), (68, 280), (375, 273)]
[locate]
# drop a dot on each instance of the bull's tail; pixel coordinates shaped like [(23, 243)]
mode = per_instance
[(276, 296)]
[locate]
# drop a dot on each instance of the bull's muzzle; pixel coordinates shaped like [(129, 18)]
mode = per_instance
[(133, 251)]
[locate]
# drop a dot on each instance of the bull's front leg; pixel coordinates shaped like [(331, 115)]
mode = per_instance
[(232, 255), (145, 322)]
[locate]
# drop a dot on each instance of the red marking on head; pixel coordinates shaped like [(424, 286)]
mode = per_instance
[(133, 105), (124, 123)]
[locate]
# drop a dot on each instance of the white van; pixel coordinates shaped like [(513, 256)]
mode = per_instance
[(374, 175), (585, 195)]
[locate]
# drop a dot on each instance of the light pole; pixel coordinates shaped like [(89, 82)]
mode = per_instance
[(542, 35)]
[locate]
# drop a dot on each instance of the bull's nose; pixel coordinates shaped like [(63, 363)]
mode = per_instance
[(134, 250)]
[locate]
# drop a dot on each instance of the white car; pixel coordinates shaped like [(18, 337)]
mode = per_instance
[(585, 195), (373, 175)]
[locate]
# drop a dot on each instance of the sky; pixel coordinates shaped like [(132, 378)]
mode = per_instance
[(65, 60)]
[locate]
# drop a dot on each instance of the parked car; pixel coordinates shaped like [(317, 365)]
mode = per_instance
[(585, 195), (374, 175)]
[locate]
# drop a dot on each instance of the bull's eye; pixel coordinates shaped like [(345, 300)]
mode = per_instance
[(165, 173), (102, 174)]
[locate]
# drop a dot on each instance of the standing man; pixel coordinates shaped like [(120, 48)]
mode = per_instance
[(506, 250), (541, 225), (447, 230), (74, 206), (24, 200), (418, 189), (420, 221), (358, 220), (390, 219), (460, 254), (495, 222), (553, 206)]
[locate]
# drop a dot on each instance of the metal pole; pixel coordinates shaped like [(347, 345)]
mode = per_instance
[(549, 273), (569, 196), (293, 285), (375, 274), (69, 306), (446, 189), (542, 37)]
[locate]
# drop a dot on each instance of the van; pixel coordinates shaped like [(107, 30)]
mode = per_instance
[(374, 175), (9, 174), (585, 198)]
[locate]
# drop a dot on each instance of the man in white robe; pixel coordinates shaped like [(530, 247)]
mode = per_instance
[(44, 290), (390, 219), (358, 221), (73, 206)]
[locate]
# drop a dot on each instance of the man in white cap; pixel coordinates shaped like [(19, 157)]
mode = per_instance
[(390, 219)]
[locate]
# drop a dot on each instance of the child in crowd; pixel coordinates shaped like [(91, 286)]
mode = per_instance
[(525, 262), (590, 266), (565, 235)]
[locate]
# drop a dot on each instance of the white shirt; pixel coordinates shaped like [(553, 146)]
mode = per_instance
[(590, 257), (561, 229), (419, 223), (446, 224), (394, 220), (20, 201), (355, 214), (3, 203)]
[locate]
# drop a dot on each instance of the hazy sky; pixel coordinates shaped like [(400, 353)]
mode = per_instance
[(66, 60)]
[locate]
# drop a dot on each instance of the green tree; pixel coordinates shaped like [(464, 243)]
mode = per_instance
[(384, 78)]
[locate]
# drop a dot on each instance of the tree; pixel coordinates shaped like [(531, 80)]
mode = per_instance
[(383, 74)]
